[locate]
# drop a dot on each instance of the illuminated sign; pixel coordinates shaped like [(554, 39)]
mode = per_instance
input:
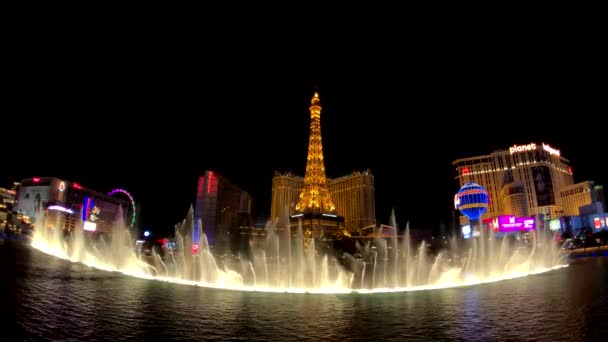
[(77, 186), (90, 226), (569, 169), (36, 179), (555, 224), (330, 215), (550, 149), (194, 248), (456, 201), (465, 170), (90, 212), (297, 215), (60, 208), (507, 223), (522, 148), (466, 231), (61, 186)]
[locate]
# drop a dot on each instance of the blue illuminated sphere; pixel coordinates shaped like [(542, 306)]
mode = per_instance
[(472, 200)]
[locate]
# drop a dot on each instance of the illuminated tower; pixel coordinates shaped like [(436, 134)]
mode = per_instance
[(315, 195), (315, 210)]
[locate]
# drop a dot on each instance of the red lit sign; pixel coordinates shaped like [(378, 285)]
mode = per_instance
[(201, 186), (77, 186), (596, 223), (569, 169), (194, 248), (465, 170), (36, 179)]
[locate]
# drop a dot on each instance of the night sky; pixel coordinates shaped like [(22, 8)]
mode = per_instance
[(147, 97)]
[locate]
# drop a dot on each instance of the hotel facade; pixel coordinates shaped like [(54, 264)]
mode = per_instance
[(353, 196), (68, 205), (220, 206), (528, 180)]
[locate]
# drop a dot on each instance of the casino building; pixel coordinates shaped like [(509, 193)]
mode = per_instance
[(67, 205), (352, 194), (528, 180), (221, 208)]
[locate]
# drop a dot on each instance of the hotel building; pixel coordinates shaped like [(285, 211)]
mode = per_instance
[(527, 180), (580, 195), (353, 196), (219, 210), (286, 189), (68, 205)]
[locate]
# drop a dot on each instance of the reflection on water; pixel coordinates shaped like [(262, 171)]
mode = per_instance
[(56, 299)]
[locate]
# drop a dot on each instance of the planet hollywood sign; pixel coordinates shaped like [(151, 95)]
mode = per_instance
[(532, 147)]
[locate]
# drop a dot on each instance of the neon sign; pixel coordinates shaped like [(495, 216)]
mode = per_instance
[(506, 223), (90, 226), (87, 207), (77, 186), (551, 150), (60, 208), (466, 231), (36, 179), (522, 148)]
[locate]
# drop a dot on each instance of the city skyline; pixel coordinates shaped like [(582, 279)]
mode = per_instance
[(148, 107), (265, 207)]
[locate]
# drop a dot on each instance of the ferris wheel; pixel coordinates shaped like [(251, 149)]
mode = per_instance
[(125, 192)]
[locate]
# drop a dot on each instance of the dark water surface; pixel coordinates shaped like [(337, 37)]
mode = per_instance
[(44, 298)]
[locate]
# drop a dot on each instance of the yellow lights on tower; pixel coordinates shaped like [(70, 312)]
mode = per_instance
[(315, 194)]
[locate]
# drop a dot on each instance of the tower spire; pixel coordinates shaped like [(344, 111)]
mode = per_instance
[(315, 195)]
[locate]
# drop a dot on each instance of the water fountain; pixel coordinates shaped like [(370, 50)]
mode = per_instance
[(281, 263)]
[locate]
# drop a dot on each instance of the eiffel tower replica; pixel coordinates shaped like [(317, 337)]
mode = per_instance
[(315, 210)]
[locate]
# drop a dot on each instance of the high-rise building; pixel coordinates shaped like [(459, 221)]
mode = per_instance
[(524, 180), (353, 196), (219, 210), (7, 200), (581, 194), (286, 189)]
